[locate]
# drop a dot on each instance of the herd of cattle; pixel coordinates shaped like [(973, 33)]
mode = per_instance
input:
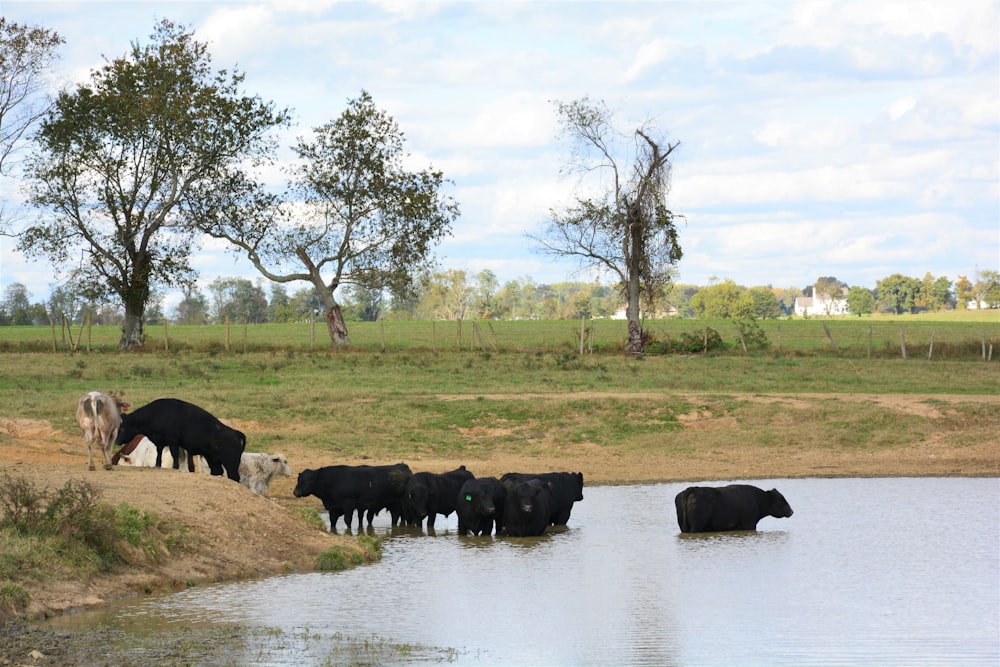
[(171, 432)]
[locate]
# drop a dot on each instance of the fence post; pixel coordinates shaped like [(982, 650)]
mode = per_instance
[(166, 338), (830, 336), (493, 337), (583, 331), (930, 349), (227, 333), (869, 342), (902, 343)]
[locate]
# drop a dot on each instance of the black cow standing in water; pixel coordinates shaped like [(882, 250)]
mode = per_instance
[(706, 509), (429, 494), (566, 488), (346, 489), (177, 424), (480, 506), (529, 508)]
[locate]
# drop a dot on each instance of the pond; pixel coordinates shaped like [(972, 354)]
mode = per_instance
[(866, 572)]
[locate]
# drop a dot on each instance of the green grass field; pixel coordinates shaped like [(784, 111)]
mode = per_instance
[(954, 335)]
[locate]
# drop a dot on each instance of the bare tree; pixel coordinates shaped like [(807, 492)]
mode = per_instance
[(626, 228)]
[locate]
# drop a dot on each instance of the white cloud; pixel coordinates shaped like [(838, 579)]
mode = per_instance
[(648, 55)]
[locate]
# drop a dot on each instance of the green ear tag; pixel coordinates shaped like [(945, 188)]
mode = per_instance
[(468, 499)]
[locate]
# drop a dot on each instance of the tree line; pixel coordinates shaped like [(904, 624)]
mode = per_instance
[(455, 295)]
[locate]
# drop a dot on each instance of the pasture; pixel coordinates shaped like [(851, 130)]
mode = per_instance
[(406, 390), (953, 335)]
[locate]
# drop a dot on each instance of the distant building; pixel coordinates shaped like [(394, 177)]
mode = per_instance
[(821, 304), (660, 314)]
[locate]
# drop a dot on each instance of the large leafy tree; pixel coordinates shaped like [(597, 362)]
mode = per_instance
[(26, 54), (354, 215), (625, 228), (860, 301), (119, 158), (898, 293)]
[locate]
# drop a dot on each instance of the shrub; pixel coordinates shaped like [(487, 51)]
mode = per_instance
[(13, 598), (88, 529)]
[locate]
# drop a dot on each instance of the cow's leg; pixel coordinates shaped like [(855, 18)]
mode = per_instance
[(90, 454), (175, 451), (107, 443), (349, 507), (106, 451)]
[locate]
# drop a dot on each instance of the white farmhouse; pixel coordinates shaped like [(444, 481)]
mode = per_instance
[(819, 305)]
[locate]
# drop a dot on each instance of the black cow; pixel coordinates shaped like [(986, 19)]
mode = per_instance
[(344, 489), (528, 509), (706, 509), (177, 424), (429, 494), (480, 506), (567, 488)]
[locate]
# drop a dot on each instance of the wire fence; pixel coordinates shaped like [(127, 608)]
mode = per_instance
[(853, 338)]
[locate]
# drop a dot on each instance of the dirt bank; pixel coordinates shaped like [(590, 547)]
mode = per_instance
[(230, 533)]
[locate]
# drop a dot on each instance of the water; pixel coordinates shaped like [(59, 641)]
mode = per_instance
[(866, 572)]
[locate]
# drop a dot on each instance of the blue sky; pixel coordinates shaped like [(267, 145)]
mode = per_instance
[(846, 139)]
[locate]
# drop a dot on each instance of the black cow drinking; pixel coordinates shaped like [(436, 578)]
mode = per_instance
[(706, 509), (346, 489), (429, 494), (177, 424)]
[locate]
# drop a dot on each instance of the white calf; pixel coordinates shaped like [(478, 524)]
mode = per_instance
[(257, 470), (140, 452), (99, 417)]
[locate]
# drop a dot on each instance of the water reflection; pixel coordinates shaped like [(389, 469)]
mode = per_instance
[(867, 572)]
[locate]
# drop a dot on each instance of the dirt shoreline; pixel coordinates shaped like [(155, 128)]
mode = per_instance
[(231, 534)]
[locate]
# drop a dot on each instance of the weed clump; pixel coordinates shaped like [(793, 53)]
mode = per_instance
[(74, 523), (366, 550)]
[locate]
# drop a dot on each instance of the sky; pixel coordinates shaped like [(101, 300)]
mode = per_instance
[(847, 139)]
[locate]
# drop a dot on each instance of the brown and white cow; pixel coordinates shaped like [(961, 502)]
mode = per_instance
[(99, 417)]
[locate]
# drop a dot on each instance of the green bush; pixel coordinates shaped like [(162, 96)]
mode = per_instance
[(87, 529)]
